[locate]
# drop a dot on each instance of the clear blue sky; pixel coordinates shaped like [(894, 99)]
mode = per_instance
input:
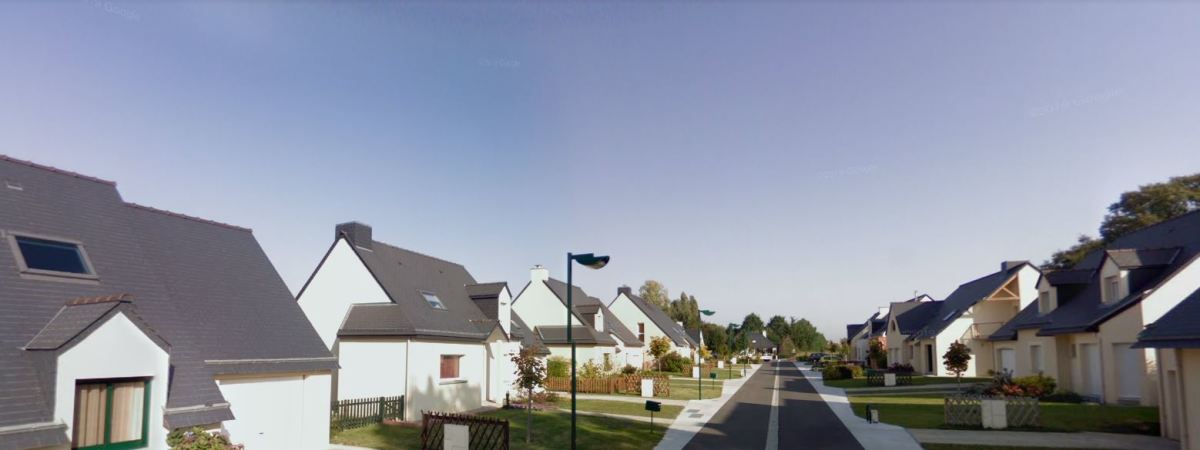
[(812, 160)]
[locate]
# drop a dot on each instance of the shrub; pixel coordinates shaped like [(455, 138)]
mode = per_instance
[(901, 368), (1064, 397), (628, 370), (196, 438), (558, 367), (842, 372), (1036, 385), (590, 369), (672, 362)]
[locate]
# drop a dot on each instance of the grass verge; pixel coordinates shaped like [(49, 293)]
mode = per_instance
[(928, 412), (618, 407), (916, 381)]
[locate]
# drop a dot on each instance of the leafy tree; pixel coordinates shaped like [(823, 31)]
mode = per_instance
[(752, 323), (877, 353), (531, 374), (787, 349), (659, 347), (806, 337), (956, 359), (1148, 205), (737, 339), (717, 340), (685, 310), (655, 293), (778, 329)]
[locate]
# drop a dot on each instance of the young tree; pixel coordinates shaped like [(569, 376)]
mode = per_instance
[(531, 374), (717, 340), (956, 359), (659, 347), (655, 293), (876, 353)]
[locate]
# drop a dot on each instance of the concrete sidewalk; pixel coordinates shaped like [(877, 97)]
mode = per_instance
[(869, 435), (1043, 439), (697, 413), (625, 398)]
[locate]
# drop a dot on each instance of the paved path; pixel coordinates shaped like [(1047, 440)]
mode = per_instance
[(776, 407), (870, 435), (624, 398), (1044, 439)]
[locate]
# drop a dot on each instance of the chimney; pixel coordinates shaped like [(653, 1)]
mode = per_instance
[(1008, 265), (357, 233), (539, 273), (624, 290)]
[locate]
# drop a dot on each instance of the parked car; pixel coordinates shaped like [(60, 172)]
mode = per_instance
[(766, 357), (829, 360), (814, 357)]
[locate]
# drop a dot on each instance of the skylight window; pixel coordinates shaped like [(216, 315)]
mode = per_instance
[(51, 256), (433, 300)]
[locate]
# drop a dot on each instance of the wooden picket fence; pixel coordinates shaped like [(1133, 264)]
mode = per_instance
[(621, 384), (967, 410), (486, 433), (361, 412)]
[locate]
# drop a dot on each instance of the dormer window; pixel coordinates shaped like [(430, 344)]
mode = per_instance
[(1043, 302), (1112, 288), (433, 300), (48, 256)]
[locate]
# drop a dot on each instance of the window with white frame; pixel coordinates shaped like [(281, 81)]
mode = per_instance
[(1112, 288), (1035, 358)]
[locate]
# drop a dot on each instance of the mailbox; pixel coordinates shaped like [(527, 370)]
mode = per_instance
[(712, 375), (653, 406)]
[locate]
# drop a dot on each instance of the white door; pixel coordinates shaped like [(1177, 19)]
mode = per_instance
[(1008, 359), (268, 412), (1089, 362), (1131, 364)]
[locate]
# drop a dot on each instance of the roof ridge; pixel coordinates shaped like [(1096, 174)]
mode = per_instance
[(185, 216), (57, 170), (1147, 227)]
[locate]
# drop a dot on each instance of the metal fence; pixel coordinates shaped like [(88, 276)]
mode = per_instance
[(361, 412), (485, 433), (967, 410), (623, 384)]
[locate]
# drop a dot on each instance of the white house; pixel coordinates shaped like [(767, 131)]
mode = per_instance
[(123, 322), (649, 321), (1084, 327), (599, 335), (404, 323), (860, 335), (968, 315), (896, 332), (1175, 338)]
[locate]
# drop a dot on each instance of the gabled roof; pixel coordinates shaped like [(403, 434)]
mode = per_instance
[(406, 277), (1067, 277), (760, 341), (963, 298), (80, 316), (1152, 255), (913, 320), (853, 329), (695, 335), (529, 338), (202, 286), (1178, 328), (879, 324), (659, 317), (584, 304), (582, 334)]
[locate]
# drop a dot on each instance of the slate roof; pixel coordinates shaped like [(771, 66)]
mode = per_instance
[(583, 334), (694, 335), (913, 320), (660, 319), (529, 338), (405, 277), (487, 298), (853, 329), (761, 342), (1178, 328), (201, 286), (879, 324), (78, 317), (583, 302), (1152, 255), (963, 298)]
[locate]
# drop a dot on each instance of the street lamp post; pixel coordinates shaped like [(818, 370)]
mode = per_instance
[(595, 262), (699, 363)]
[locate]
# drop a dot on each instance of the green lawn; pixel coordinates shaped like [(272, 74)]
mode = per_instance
[(722, 374), (686, 389), (619, 407), (551, 430), (916, 381), (928, 412)]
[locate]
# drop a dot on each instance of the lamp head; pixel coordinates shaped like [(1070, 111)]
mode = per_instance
[(707, 312), (591, 260)]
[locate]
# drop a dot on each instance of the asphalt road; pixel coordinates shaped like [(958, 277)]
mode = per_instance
[(804, 420)]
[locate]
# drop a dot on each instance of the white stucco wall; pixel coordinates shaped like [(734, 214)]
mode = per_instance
[(278, 412), (951, 333), (538, 306), (116, 349), (1185, 281), (341, 281), (427, 391), (371, 368)]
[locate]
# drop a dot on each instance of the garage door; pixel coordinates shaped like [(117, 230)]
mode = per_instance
[(1130, 367), (268, 411), (1089, 355)]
